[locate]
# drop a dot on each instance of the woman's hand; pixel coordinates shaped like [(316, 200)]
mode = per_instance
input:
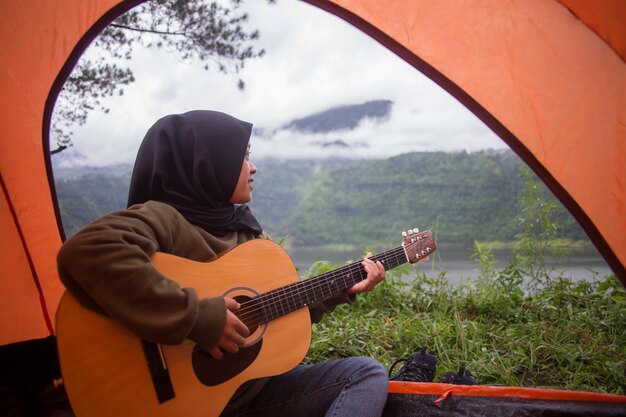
[(234, 334), (375, 274)]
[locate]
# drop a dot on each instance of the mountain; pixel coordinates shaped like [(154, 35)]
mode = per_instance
[(346, 117), (462, 197), (346, 131)]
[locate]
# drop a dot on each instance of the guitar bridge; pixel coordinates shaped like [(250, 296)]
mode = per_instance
[(158, 371)]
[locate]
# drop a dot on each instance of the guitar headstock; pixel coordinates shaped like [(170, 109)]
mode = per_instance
[(418, 245)]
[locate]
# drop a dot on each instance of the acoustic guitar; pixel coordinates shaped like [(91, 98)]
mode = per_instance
[(109, 372)]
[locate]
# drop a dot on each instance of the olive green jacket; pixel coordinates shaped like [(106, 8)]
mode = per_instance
[(106, 265)]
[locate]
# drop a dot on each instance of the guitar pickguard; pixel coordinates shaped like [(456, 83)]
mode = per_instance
[(213, 372)]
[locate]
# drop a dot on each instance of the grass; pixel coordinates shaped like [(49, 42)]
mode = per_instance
[(561, 334), (572, 246)]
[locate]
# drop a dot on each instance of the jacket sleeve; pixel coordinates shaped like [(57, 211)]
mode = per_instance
[(106, 265)]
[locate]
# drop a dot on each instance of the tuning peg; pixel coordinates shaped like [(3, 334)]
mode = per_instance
[(410, 232), (416, 230), (404, 234)]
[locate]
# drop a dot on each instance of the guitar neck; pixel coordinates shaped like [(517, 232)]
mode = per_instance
[(284, 300)]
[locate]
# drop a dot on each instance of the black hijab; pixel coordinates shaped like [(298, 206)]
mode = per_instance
[(192, 162)]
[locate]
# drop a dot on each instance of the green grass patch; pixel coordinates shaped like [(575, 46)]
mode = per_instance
[(563, 334)]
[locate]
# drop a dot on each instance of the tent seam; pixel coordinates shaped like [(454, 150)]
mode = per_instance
[(42, 298)]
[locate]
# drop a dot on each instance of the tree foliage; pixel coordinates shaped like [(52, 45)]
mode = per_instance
[(209, 32)]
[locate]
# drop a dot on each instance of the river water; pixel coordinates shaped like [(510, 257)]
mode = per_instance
[(458, 264)]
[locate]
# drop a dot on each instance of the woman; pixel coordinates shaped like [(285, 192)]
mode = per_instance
[(190, 183)]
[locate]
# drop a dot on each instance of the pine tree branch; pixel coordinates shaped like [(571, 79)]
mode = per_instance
[(157, 32), (59, 149)]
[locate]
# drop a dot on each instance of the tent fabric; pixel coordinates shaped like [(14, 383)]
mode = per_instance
[(547, 76), (606, 18), (540, 77), (413, 399), (19, 296), (36, 40)]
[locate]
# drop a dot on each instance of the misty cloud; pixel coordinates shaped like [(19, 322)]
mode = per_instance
[(314, 62)]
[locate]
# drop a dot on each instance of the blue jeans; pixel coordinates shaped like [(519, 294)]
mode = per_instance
[(355, 386)]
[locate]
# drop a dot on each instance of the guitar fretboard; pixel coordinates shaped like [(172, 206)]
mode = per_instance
[(284, 300)]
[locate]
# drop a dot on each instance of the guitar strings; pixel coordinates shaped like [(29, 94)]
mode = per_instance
[(251, 312), (299, 288), (296, 289)]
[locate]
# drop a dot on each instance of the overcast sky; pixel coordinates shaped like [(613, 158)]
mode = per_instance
[(313, 61)]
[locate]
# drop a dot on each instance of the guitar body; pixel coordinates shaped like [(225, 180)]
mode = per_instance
[(104, 367)]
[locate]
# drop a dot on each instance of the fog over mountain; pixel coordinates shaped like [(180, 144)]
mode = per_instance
[(340, 131), (351, 131)]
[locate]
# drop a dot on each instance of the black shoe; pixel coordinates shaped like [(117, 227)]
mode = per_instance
[(419, 367), (464, 377)]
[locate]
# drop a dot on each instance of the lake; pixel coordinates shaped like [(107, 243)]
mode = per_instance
[(457, 262)]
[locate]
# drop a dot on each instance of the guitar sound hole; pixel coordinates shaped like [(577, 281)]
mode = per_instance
[(250, 312), (249, 319)]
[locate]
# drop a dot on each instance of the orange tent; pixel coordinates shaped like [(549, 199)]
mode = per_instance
[(547, 76)]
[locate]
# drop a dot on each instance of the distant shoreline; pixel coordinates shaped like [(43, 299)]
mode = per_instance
[(571, 246)]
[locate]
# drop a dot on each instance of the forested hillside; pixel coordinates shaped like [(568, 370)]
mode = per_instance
[(87, 197), (462, 197)]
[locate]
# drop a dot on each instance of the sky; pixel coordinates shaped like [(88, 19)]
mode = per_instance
[(313, 61)]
